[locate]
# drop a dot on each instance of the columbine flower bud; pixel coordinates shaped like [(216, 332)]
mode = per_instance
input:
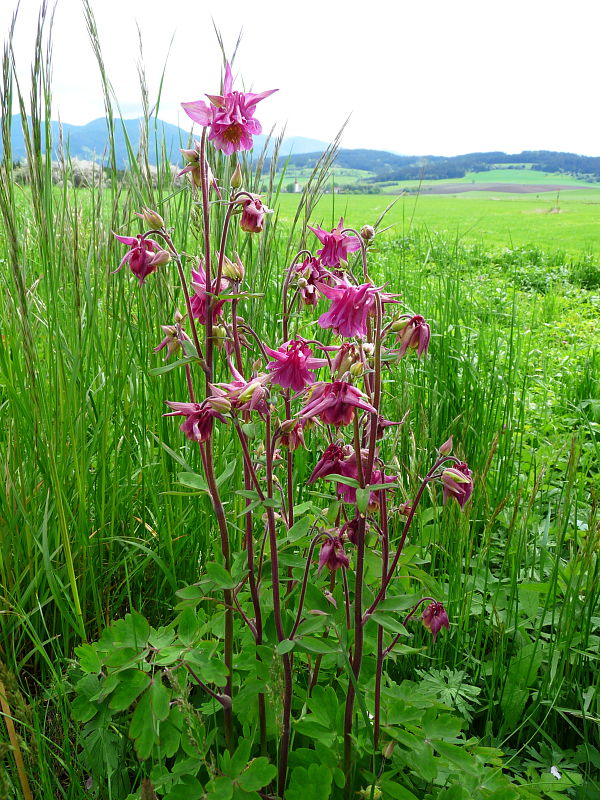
[(346, 357), (368, 349), (236, 179), (161, 258), (356, 370), (219, 335), (367, 232), (371, 792), (446, 448), (389, 750), (234, 272), (152, 218), (191, 156)]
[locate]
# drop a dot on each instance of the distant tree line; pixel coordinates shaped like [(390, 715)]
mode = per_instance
[(392, 167)]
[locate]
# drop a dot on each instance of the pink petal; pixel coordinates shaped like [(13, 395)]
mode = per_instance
[(198, 111), (128, 240)]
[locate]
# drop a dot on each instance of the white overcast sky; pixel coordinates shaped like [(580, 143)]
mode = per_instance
[(417, 76)]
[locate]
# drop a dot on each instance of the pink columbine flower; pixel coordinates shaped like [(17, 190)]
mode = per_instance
[(199, 417), (350, 530), (229, 117), (172, 341), (435, 618), (414, 333), (292, 435), (349, 469), (308, 273), (458, 483), (350, 307), (144, 256), (335, 403), (244, 395), (336, 245), (293, 364), (332, 554), (330, 463), (253, 214), (198, 300)]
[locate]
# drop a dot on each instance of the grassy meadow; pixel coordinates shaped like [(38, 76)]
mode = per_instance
[(567, 223), (94, 523)]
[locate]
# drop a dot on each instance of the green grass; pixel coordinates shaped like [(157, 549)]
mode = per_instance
[(93, 521), (497, 219)]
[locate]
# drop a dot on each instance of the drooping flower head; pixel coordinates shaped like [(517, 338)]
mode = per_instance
[(292, 435), (435, 618), (174, 338), (350, 306), (336, 245), (199, 417), (335, 403), (198, 300), (229, 117), (244, 395), (349, 469), (192, 168), (144, 256), (458, 483), (329, 463), (308, 273), (332, 554), (414, 333), (293, 364), (253, 214)]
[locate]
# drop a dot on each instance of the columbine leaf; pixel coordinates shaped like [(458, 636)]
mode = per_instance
[(220, 576), (132, 683), (258, 774)]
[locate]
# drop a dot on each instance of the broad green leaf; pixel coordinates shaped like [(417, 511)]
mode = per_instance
[(342, 479), (310, 783), (458, 756), (362, 500), (193, 481), (227, 473), (285, 646), (219, 575), (258, 774), (160, 697), (186, 788), (141, 729), (314, 645), (88, 658), (299, 529), (83, 710), (132, 683), (220, 789), (188, 626), (395, 790), (390, 622), (239, 760)]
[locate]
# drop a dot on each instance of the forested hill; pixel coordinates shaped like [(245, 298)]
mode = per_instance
[(391, 167)]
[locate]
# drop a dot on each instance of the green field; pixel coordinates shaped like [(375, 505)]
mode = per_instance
[(498, 219)]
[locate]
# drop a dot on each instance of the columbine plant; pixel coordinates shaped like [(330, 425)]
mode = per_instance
[(298, 621)]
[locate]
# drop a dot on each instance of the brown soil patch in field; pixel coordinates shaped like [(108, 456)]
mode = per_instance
[(513, 188)]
